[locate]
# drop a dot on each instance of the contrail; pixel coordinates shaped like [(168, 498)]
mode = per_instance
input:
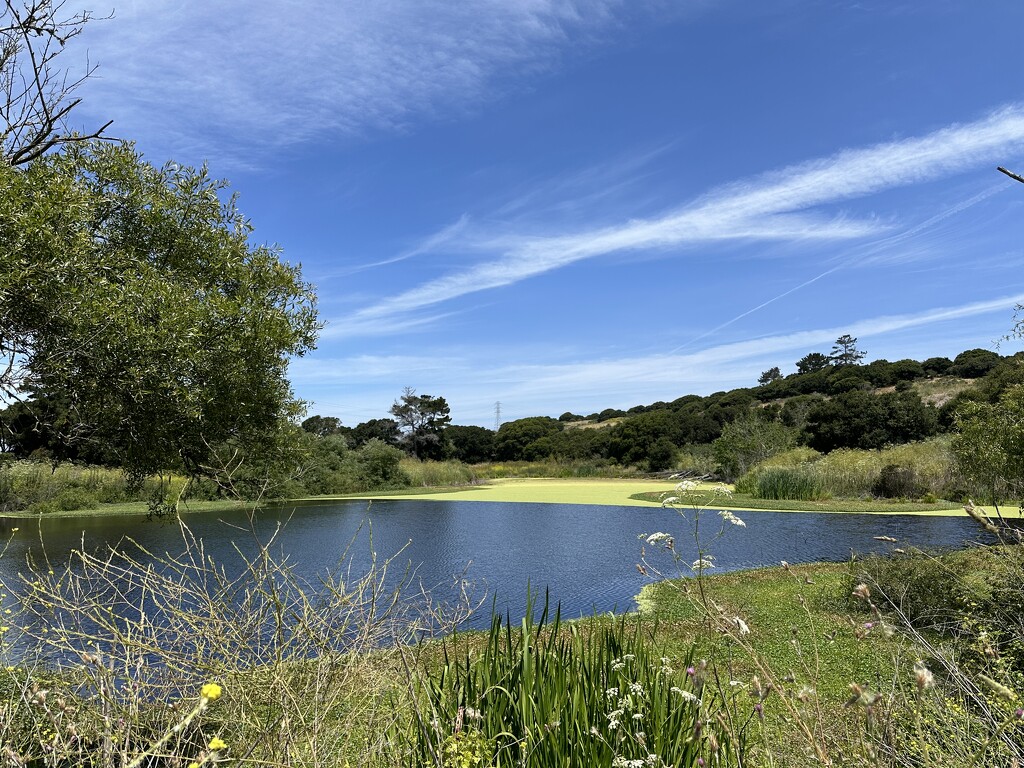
[(858, 256)]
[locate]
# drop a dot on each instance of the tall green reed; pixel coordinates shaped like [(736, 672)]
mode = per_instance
[(595, 693)]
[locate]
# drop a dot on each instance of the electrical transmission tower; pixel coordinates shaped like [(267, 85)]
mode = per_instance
[(497, 416)]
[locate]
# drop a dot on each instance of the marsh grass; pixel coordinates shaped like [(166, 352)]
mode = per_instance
[(438, 474), (554, 469), (42, 488), (794, 483), (865, 506), (595, 693), (803, 474)]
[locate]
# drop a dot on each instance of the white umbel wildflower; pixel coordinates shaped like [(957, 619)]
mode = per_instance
[(730, 518)]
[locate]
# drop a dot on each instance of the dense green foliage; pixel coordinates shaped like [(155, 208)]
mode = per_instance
[(135, 314), (750, 440), (860, 419), (989, 445)]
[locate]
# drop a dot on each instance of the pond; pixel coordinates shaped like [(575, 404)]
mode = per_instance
[(585, 555)]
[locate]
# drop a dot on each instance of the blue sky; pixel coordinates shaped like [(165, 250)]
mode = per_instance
[(580, 205)]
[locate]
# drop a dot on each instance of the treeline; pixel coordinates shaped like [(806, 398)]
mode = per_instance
[(829, 407), (831, 402)]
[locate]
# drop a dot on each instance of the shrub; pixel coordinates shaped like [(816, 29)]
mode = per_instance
[(47, 507), (973, 596), (75, 498), (131, 661), (896, 482), (974, 363)]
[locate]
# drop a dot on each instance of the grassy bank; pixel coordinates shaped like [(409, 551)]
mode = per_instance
[(802, 638), (745, 501), (130, 508), (768, 657)]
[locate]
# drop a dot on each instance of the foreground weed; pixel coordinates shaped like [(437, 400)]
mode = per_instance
[(107, 655)]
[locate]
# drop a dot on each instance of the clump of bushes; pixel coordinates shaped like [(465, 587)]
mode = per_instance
[(957, 593)]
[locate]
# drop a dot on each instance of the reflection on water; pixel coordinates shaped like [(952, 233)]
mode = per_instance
[(586, 556)]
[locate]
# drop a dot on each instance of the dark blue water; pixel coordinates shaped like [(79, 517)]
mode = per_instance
[(586, 556)]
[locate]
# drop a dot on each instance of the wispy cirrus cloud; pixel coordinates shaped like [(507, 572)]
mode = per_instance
[(251, 75), (775, 206)]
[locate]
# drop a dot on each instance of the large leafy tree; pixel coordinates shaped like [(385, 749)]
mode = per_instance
[(133, 296), (859, 419), (384, 430), (324, 426), (471, 444), (422, 420), (514, 439)]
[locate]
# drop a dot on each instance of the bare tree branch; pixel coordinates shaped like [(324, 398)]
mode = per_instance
[(36, 90), (1011, 174)]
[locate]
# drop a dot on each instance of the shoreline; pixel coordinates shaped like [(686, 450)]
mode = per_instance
[(581, 491), (616, 492)]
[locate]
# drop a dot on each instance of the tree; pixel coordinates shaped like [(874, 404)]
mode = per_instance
[(470, 444), (324, 426), (514, 438), (632, 441), (845, 352), (989, 445), (36, 93), (859, 419), (385, 430), (422, 419), (974, 363), (772, 374), (132, 295), (815, 361), (749, 440), (936, 366)]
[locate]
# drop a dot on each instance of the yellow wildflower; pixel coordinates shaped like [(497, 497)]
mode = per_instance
[(211, 691), (217, 743)]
